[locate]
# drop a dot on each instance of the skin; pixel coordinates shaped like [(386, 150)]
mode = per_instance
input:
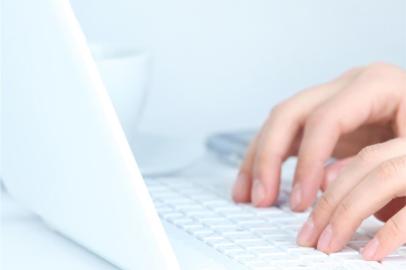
[(359, 119)]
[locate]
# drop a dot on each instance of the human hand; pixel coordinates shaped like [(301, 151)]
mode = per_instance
[(362, 107), (374, 181), (334, 169)]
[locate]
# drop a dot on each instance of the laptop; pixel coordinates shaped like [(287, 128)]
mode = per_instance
[(66, 157)]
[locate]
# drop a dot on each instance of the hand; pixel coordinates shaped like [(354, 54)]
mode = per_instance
[(334, 169), (374, 181), (364, 106)]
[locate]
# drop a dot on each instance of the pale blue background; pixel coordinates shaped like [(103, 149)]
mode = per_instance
[(217, 60)]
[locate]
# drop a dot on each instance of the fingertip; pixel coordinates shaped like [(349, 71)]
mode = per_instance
[(241, 189), (333, 170), (301, 197), (296, 197), (307, 235), (318, 142), (266, 181), (324, 242), (390, 237), (258, 193), (369, 252), (308, 180)]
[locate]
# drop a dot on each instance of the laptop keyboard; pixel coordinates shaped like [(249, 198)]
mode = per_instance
[(256, 238)]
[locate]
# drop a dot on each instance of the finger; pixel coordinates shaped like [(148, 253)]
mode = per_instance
[(377, 189), (368, 159), (350, 144), (333, 170), (280, 133), (242, 186), (388, 239), (337, 116)]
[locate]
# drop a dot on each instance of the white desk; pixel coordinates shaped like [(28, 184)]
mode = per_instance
[(27, 243)]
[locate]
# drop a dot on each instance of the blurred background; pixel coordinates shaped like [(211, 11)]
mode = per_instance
[(223, 64)]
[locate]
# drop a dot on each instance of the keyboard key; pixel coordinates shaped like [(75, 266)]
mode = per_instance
[(172, 215), (395, 260), (257, 238), (230, 250), (251, 243)]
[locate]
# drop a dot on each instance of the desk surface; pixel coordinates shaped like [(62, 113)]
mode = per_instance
[(27, 243)]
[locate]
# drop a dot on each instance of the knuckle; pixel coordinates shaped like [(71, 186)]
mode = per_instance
[(369, 153), (380, 70), (325, 117), (394, 228), (352, 72), (281, 113), (261, 165), (317, 117), (280, 109), (324, 205), (344, 211), (402, 163), (376, 69), (379, 65), (401, 141), (388, 169)]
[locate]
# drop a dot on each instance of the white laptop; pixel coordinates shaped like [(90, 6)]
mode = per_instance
[(66, 157)]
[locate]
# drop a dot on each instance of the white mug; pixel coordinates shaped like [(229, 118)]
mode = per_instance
[(125, 71)]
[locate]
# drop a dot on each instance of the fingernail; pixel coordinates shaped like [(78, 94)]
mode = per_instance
[(306, 233), (239, 186), (296, 197), (370, 249), (325, 238), (258, 192)]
